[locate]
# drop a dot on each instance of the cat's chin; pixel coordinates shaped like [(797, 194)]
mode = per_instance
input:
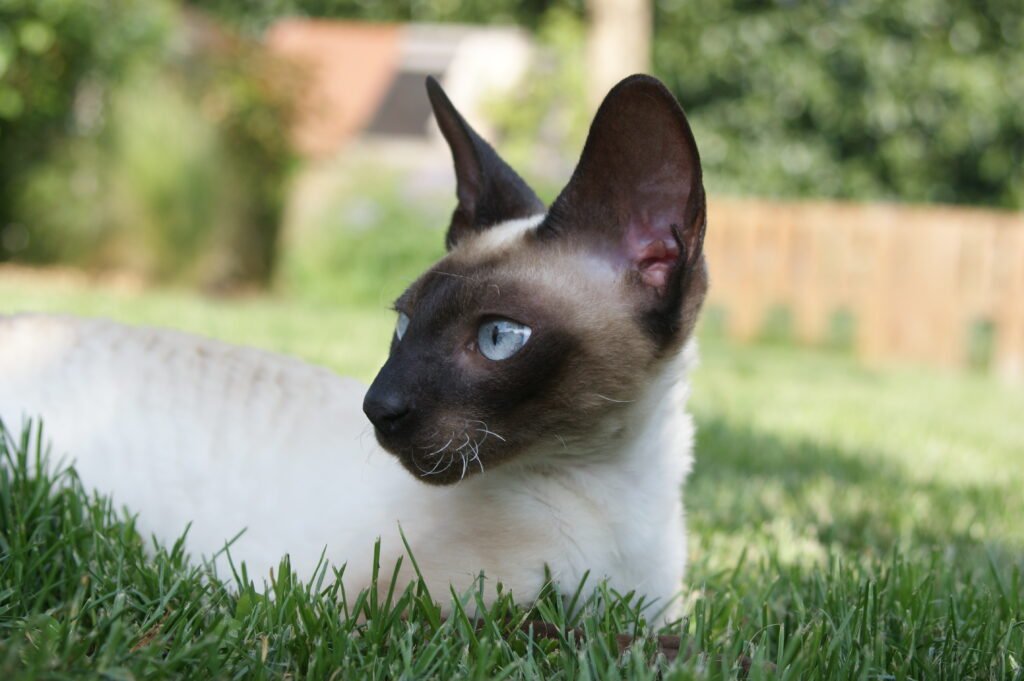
[(441, 469)]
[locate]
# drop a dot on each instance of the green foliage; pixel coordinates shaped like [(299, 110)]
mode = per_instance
[(367, 244), (120, 147), (167, 155), (59, 60), (123, 201), (164, 198), (543, 123), (865, 99), (255, 15), (916, 101), (869, 99), (248, 98)]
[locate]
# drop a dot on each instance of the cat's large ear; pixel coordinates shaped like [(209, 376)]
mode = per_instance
[(489, 191), (637, 199)]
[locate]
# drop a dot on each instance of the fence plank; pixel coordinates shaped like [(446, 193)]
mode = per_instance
[(916, 279), (1009, 318)]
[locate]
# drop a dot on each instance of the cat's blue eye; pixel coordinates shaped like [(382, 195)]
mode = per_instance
[(401, 325), (499, 339)]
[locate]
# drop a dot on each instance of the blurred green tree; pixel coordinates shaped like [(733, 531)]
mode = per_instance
[(868, 99), (255, 15), (249, 98), (135, 135), (918, 100), (59, 60)]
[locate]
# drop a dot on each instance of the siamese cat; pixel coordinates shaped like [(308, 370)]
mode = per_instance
[(530, 418)]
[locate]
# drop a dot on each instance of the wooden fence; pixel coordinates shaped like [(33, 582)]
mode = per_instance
[(937, 285)]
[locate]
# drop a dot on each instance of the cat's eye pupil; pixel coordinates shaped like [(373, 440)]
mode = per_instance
[(499, 339)]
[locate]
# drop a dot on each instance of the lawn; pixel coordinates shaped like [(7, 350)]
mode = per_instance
[(847, 522)]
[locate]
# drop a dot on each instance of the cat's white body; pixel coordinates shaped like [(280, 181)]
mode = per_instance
[(182, 429)]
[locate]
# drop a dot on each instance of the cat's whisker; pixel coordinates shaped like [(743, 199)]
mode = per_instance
[(610, 399), (440, 459), (423, 471), (451, 274), (367, 429), (476, 455), (486, 430), (490, 432), (440, 450), (476, 448)]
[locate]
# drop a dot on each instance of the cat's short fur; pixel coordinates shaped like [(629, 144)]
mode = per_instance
[(569, 454)]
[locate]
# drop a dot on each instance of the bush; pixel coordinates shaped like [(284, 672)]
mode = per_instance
[(373, 238), (248, 97), (142, 198), (917, 100), (864, 99), (172, 164), (59, 60)]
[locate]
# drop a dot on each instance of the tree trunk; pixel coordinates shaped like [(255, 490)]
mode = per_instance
[(618, 43)]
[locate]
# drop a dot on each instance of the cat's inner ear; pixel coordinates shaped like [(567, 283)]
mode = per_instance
[(488, 190), (637, 196)]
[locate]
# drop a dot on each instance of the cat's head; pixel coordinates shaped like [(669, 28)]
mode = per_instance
[(540, 326)]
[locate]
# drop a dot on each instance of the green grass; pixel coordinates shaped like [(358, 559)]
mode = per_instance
[(847, 523)]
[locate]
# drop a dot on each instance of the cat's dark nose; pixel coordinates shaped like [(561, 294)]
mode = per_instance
[(387, 410)]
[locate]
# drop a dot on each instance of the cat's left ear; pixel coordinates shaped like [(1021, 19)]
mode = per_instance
[(636, 198), (489, 191)]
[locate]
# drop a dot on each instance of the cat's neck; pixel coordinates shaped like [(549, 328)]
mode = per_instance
[(610, 507)]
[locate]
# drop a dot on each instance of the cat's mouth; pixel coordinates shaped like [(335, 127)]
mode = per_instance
[(440, 460)]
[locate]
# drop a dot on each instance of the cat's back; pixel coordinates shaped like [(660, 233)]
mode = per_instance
[(181, 428), (85, 375)]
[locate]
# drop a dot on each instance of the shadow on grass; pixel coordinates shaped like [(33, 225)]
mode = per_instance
[(798, 499)]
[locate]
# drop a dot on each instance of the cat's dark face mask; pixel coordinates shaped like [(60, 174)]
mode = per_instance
[(539, 330)]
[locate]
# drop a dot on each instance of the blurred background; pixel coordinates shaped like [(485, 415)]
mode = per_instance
[(863, 156), (267, 172)]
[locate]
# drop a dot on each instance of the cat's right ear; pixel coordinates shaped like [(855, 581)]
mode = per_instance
[(637, 200), (488, 190)]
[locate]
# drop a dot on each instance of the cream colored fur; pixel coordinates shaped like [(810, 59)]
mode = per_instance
[(182, 429), (500, 237)]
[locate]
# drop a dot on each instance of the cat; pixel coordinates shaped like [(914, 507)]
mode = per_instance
[(529, 421)]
